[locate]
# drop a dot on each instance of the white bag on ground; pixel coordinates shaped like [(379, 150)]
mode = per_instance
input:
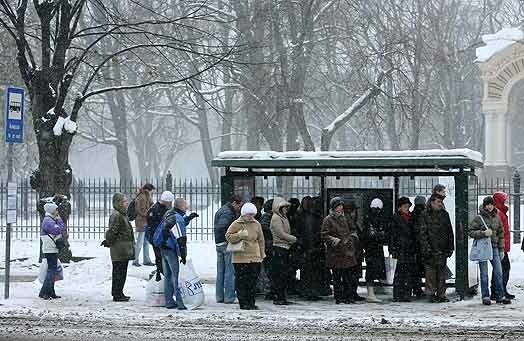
[(155, 293), (190, 286), (391, 265), (42, 272)]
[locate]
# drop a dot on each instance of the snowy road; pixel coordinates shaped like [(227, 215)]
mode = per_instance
[(234, 326), (86, 312)]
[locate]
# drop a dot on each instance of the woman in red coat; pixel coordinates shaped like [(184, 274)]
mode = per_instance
[(500, 199)]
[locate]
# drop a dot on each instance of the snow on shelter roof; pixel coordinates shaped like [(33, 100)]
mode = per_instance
[(421, 159)]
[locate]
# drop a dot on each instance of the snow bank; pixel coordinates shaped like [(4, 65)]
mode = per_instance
[(498, 42), (406, 154)]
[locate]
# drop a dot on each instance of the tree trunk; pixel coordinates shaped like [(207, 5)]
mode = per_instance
[(118, 109), (54, 175)]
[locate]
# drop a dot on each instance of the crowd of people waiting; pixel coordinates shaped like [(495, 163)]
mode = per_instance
[(282, 237), (261, 245)]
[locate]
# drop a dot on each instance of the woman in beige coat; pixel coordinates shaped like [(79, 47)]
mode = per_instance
[(247, 262), (282, 241)]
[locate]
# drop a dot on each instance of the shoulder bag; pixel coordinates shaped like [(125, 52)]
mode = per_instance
[(481, 249), (239, 246)]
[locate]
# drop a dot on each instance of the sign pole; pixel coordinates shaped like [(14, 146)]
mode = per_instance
[(14, 133), (8, 230)]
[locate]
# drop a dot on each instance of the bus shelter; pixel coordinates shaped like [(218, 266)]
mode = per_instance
[(241, 169)]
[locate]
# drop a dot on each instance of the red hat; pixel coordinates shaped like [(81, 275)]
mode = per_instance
[(499, 198)]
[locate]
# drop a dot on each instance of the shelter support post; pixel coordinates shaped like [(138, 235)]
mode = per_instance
[(461, 234), (397, 191), (323, 195), (227, 188)]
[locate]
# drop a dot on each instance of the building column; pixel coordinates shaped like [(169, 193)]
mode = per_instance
[(498, 145), (509, 134)]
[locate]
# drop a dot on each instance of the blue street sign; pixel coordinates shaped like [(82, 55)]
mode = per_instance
[(14, 120)]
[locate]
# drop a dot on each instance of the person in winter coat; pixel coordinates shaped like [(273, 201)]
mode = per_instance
[(296, 251), (351, 213), (341, 251), (225, 282), (259, 204), (282, 241), (143, 203), (247, 262), (419, 270), (309, 222), (500, 199), (154, 218), (374, 238), (119, 238), (488, 225), (436, 245), (326, 276), (174, 246), (265, 275), (51, 230), (403, 248)]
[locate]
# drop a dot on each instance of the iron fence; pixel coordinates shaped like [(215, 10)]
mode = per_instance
[(91, 199)]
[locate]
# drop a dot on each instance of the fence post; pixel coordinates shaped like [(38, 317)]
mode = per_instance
[(169, 181), (516, 207)]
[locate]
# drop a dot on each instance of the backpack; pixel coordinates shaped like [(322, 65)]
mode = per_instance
[(131, 210), (158, 235)]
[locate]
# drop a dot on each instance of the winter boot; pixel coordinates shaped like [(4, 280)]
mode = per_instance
[(371, 296), (504, 301)]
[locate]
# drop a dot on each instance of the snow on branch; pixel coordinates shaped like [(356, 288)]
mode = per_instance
[(64, 123), (370, 93), (217, 89), (322, 10)]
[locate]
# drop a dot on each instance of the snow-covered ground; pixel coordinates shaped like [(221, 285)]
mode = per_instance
[(87, 312)]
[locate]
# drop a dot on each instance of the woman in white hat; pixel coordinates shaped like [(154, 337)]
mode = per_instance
[(247, 242)]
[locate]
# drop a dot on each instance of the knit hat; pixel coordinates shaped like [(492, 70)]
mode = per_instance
[(377, 203), (335, 202), (248, 209), (487, 201), (167, 196), (403, 201), (420, 200), (50, 207)]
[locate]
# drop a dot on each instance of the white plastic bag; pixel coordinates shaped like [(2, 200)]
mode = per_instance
[(59, 275), (190, 286), (391, 266), (155, 293)]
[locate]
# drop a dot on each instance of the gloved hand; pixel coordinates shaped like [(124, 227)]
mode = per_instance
[(183, 260), (488, 233), (105, 244), (193, 216), (243, 234)]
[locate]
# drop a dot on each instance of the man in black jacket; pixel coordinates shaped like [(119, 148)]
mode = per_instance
[(225, 282), (154, 217), (436, 246)]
